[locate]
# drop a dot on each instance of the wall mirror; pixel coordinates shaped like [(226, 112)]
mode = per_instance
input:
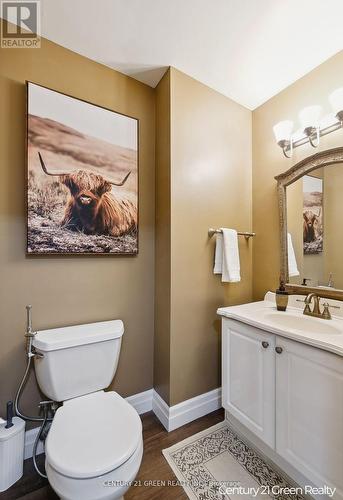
[(311, 230)]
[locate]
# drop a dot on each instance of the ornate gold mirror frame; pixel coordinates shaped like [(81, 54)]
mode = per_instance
[(322, 159)]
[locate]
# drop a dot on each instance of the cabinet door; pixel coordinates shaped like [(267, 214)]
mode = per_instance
[(248, 385), (309, 412)]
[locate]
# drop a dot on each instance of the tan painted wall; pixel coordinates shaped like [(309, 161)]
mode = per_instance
[(210, 186), (163, 241), (66, 291), (269, 161)]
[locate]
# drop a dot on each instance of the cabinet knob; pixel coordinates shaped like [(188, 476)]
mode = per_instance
[(265, 344), (278, 349)]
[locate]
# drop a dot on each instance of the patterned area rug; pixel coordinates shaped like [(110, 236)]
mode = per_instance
[(216, 465)]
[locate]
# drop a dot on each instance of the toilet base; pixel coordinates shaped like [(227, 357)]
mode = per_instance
[(63, 498), (97, 488), (120, 498)]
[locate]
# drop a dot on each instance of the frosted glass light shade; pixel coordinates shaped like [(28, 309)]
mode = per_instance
[(283, 130), (336, 100), (328, 120), (309, 117)]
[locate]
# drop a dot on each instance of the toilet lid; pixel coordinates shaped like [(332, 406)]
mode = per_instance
[(92, 435)]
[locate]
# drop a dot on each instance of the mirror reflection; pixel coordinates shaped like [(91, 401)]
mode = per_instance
[(314, 227)]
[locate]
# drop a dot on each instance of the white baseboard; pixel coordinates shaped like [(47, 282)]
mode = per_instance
[(170, 417), (187, 411), (30, 437), (142, 402), (161, 409)]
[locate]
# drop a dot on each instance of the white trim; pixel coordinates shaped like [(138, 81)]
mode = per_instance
[(187, 411), (170, 417), (161, 409), (142, 402), (30, 437)]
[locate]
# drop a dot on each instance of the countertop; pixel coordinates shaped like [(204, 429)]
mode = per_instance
[(257, 314)]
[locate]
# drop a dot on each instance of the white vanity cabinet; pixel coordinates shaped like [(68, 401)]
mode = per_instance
[(309, 411), (290, 395), (248, 381)]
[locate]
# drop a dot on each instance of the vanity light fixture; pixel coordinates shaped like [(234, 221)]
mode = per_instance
[(313, 127), (283, 136), (309, 119), (336, 101)]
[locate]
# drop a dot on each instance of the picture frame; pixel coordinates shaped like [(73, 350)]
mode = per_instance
[(312, 214), (82, 170)]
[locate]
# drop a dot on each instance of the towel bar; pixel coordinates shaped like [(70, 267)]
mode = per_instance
[(246, 234)]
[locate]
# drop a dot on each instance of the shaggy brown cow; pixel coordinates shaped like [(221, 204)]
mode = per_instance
[(310, 226), (92, 208)]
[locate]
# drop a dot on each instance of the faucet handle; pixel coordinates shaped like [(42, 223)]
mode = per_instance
[(307, 309), (326, 313), (330, 305)]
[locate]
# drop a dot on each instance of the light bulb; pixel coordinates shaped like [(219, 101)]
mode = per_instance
[(309, 117), (336, 101), (283, 131)]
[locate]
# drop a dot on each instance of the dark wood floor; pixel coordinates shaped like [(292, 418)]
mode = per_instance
[(154, 465)]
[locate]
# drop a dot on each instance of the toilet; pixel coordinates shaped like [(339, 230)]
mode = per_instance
[(94, 446)]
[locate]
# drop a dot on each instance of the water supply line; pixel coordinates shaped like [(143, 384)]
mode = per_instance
[(47, 405), (30, 353), (38, 437)]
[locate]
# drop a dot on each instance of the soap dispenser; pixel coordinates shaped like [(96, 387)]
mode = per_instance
[(281, 297)]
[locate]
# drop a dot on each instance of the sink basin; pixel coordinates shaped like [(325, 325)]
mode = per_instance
[(291, 324), (302, 323)]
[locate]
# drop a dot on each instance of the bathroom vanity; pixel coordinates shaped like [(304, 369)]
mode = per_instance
[(282, 382)]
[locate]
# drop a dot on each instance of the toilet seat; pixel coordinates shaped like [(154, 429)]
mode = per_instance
[(92, 435)]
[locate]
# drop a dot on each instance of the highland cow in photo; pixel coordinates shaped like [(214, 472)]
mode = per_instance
[(91, 207), (312, 214), (82, 177)]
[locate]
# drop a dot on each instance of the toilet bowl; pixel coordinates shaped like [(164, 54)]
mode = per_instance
[(94, 446), (110, 486)]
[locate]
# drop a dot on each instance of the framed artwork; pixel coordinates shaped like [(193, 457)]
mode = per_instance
[(82, 177), (312, 214)]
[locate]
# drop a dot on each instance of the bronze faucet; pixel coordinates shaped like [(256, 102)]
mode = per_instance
[(316, 308), (325, 314)]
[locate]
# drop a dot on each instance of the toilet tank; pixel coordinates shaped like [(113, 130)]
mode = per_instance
[(77, 360)]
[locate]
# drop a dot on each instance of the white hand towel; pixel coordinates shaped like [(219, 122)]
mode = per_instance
[(292, 261), (226, 260), (218, 256)]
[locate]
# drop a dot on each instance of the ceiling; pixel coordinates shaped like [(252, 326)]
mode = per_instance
[(248, 50)]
